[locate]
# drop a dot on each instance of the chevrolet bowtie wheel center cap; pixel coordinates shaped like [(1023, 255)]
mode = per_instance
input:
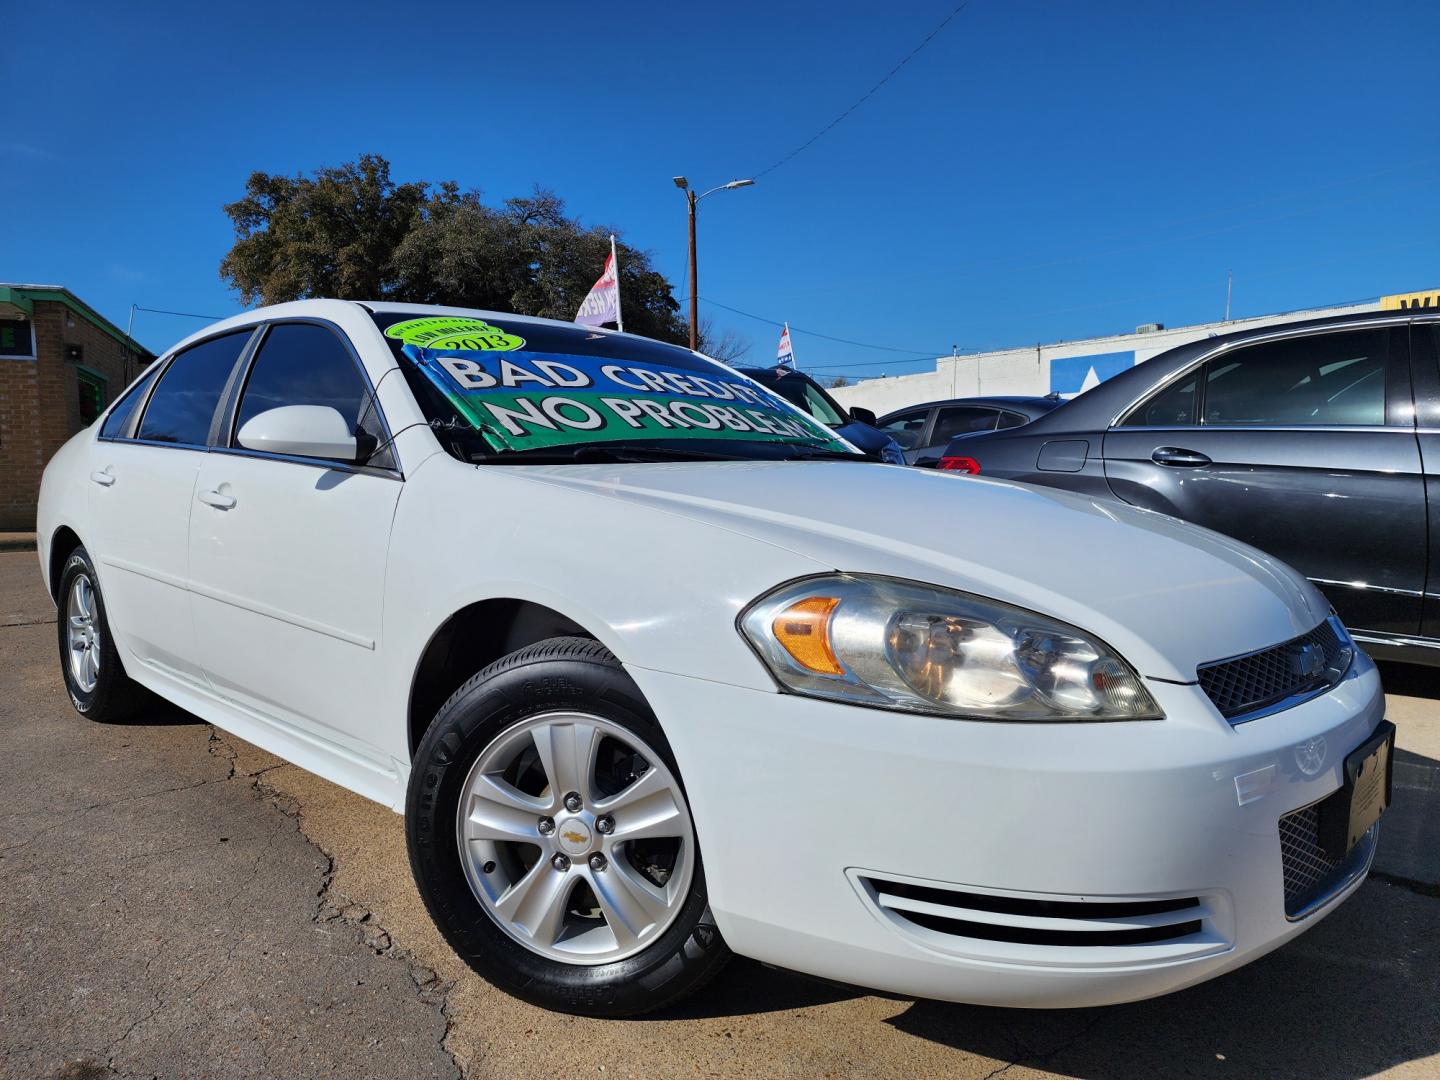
[(574, 836)]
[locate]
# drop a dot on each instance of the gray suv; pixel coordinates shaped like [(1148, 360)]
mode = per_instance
[(1317, 441)]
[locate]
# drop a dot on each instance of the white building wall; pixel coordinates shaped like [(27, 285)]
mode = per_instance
[(1034, 371)]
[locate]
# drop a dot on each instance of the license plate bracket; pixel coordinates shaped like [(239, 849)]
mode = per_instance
[(1347, 815)]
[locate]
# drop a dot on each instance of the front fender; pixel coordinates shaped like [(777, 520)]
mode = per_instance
[(659, 590)]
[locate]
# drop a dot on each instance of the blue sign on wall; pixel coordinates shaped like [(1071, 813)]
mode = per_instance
[(1070, 375)]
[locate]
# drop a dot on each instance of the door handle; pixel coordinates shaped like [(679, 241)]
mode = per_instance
[(104, 479), (216, 499), (1178, 457)]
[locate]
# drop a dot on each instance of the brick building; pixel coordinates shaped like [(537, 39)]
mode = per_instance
[(61, 364)]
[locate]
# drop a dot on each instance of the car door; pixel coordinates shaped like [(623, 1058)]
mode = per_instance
[(1425, 366), (142, 481), (951, 421), (287, 554), (908, 429), (1305, 447)]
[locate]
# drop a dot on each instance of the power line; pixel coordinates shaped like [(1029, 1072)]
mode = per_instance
[(868, 93), (926, 358), (185, 314), (922, 353)]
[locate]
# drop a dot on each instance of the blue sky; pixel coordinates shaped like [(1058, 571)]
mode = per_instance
[(1042, 170)]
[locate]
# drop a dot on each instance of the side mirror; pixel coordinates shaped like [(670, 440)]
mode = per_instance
[(314, 431), (864, 416)]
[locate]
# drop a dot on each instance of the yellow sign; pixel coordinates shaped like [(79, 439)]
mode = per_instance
[(1401, 301)]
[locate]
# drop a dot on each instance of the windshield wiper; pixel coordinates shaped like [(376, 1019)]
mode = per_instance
[(819, 453)]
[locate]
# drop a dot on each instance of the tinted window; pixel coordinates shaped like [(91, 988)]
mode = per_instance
[(1012, 419), (962, 420), (301, 364), (1171, 406), (814, 402), (184, 402), (118, 422), (802, 393), (906, 428), (1320, 379)]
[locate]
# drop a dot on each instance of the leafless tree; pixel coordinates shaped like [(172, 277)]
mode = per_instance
[(728, 347)]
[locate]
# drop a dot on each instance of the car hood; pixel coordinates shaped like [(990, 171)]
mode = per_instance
[(863, 436), (1167, 594)]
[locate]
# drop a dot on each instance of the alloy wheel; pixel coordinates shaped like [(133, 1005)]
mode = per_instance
[(82, 614), (575, 838)]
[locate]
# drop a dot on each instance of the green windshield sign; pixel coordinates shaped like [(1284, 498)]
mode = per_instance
[(522, 400)]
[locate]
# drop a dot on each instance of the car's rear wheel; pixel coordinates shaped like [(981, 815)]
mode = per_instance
[(551, 838), (94, 676)]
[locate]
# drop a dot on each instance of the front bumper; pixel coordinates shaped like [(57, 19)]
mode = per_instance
[(835, 838)]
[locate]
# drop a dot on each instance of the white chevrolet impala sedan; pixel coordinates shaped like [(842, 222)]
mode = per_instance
[(659, 670)]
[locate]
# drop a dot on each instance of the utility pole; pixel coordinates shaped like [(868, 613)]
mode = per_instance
[(691, 201), (694, 277), (1229, 285)]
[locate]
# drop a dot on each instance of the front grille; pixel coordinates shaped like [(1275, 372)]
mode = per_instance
[(1308, 664), (1311, 872)]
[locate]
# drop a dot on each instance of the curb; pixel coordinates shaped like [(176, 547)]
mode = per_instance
[(19, 543)]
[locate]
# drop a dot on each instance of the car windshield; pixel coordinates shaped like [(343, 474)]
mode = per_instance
[(802, 392), (497, 390)]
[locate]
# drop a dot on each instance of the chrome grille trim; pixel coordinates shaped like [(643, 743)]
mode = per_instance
[(1256, 684)]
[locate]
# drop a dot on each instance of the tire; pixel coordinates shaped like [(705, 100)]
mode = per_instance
[(542, 696), (113, 696)]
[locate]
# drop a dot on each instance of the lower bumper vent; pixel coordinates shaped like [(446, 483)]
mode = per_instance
[(1044, 930), (1313, 875)]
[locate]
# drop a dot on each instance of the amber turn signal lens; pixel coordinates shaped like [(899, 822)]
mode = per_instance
[(803, 630)]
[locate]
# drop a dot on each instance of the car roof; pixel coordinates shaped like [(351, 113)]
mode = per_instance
[(335, 310), (1094, 410), (1018, 402)]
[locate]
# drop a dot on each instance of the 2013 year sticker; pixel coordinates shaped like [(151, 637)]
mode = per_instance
[(444, 333)]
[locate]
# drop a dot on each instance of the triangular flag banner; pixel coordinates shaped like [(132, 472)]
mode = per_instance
[(785, 355)]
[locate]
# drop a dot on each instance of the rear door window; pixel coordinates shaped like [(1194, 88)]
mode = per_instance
[(962, 420), (1322, 379), (117, 424), (183, 405)]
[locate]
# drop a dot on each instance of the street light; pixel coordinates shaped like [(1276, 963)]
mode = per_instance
[(691, 200)]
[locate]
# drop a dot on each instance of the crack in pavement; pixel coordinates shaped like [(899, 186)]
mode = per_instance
[(335, 908), (1032, 1060)]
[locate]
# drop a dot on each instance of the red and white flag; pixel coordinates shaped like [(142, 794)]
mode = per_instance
[(602, 304), (785, 355)]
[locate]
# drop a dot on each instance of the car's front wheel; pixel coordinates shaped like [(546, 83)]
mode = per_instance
[(551, 838), (94, 676)]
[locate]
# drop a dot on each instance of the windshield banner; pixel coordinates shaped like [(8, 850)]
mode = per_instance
[(521, 399)]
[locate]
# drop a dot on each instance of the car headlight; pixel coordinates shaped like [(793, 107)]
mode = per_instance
[(898, 645)]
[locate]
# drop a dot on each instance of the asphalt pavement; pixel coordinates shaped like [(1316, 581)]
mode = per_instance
[(176, 903)]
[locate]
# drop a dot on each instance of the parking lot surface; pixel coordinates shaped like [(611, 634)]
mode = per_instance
[(176, 903)]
